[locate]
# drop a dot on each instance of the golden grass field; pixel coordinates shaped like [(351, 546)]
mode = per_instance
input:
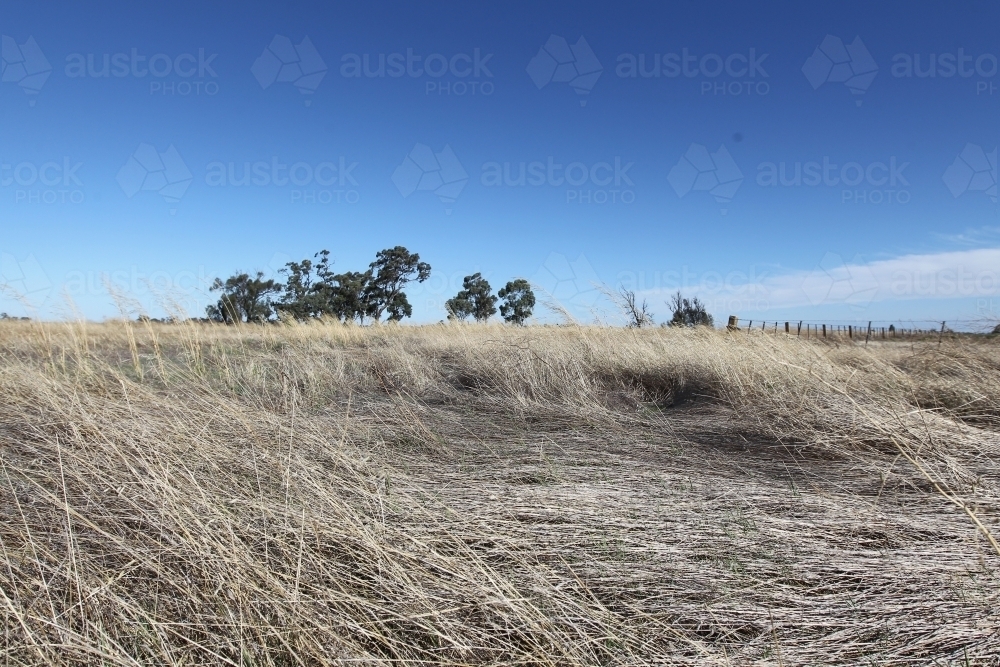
[(182, 494)]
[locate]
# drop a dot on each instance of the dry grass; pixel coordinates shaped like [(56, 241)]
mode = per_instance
[(193, 494)]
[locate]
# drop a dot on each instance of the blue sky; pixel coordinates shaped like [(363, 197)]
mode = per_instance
[(674, 178)]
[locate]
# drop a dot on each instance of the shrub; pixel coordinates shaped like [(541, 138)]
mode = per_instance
[(689, 312)]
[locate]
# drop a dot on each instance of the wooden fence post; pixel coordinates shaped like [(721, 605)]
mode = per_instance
[(786, 327), (824, 331)]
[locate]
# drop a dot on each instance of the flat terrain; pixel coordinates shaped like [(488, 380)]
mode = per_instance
[(320, 494)]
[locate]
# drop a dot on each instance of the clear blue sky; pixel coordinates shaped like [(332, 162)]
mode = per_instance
[(658, 182)]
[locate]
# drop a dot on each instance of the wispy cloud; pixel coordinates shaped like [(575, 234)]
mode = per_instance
[(957, 274), (979, 236)]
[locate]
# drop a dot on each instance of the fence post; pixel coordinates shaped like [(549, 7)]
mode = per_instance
[(824, 331), (850, 331), (733, 321), (868, 333), (786, 327)]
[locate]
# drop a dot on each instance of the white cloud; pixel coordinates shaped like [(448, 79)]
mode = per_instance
[(958, 274)]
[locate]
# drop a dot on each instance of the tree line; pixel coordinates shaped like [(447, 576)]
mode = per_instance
[(313, 289)]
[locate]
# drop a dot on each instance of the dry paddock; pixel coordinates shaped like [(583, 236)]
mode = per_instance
[(325, 494)]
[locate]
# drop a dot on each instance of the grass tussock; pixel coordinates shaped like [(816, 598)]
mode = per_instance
[(320, 494)]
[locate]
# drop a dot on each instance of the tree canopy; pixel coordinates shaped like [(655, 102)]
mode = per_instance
[(476, 299), (312, 289), (245, 298), (383, 292), (518, 301)]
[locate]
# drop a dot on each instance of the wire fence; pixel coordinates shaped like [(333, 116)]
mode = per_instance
[(866, 331)]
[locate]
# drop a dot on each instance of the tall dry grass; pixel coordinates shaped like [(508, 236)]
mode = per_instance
[(320, 494)]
